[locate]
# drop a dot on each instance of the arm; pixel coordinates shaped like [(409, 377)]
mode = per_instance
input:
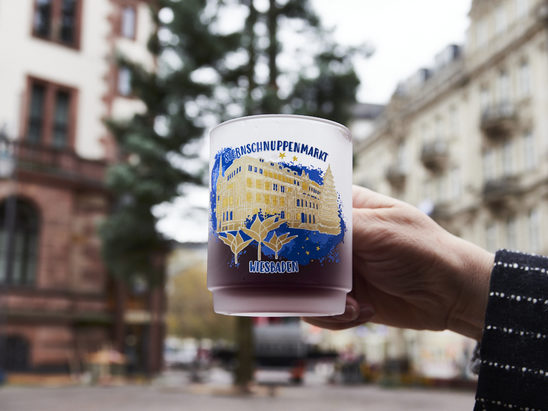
[(514, 348), (409, 272)]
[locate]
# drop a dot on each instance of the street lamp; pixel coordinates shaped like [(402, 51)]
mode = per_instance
[(7, 172)]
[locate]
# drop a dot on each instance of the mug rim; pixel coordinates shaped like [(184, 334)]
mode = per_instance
[(345, 129)]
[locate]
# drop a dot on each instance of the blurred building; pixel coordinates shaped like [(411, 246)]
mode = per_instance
[(363, 120), (467, 139), (58, 83)]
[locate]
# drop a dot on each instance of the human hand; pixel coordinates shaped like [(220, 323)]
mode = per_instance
[(409, 272)]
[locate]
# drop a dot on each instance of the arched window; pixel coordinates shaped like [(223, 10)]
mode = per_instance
[(19, 231)]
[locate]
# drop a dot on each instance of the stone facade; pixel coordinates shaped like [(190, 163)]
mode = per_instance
[(467, 140), (57, 302)]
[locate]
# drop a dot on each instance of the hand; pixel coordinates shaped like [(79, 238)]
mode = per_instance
[(411, 273)]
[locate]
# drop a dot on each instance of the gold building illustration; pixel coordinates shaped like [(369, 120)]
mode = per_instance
[(251, 185)]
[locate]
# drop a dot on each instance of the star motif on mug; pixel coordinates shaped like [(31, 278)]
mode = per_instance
[(282, 155), (295, 158)]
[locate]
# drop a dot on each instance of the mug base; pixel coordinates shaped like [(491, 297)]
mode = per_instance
[(269, 302)]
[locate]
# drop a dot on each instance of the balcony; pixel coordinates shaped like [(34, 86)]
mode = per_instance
[(501, 192), (46, 162), (395, 174), (434, 155), (499, 121)]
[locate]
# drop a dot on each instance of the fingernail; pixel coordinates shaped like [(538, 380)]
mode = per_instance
[(350, 313)]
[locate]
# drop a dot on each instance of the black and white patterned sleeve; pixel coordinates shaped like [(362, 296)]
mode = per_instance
[(514, 348)]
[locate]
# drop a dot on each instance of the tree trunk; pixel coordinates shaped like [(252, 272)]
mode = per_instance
[(252, 56), (259, 251), (245, 354), (243, 373), (119, 321), (272, 23)]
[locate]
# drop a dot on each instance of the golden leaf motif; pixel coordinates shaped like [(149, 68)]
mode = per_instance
[(236, 244), (259, 230), (276, 243)]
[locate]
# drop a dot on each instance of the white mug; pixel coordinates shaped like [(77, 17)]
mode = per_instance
[(280, 229)]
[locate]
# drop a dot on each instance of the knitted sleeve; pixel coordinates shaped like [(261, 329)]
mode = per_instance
[(514, 348)]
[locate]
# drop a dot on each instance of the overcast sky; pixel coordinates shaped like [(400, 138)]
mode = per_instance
[(406, 35)]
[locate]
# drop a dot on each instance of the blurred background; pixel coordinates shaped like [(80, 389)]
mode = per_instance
[(105, 107)]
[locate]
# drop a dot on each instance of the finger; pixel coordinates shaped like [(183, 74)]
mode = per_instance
[(337, 324), (364, 198), (353, 315), (351, 312)]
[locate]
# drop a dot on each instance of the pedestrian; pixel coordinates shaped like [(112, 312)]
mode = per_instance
[(411, 273)]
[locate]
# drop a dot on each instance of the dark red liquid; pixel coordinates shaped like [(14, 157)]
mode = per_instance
[(221, 272)]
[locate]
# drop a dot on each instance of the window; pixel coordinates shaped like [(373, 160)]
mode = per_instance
[(36, 112), (249, 168), (438, 128), (282, 189), (298, 202), (481, 33), (282, 214), (485, 98), (524, 80), (439, 195), (503, 87), (20, 266), (57, 21), (529, 153), (522, 7), (128, 20), (303, 218), (508, 158), (124, 81), (500, 19), (454, 181), (534, 230), (42, 18), (489, 165), (402, 156), (61, 118), (453, 121), (50, 119), (491, 237), (511, 233)]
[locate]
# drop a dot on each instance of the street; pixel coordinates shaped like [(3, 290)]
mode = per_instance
[(161, 398)]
